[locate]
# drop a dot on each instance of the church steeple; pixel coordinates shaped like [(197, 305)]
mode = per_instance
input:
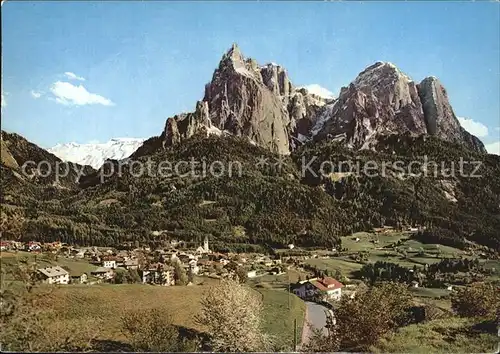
[(205, 244)]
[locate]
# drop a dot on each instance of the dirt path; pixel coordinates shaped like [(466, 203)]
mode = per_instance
[(306, 331), (314, 318)]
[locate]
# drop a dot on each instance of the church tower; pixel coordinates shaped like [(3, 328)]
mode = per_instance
[(205, 244)]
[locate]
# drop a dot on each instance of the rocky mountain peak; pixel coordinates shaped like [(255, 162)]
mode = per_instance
[(233, 62), (246, 99), (381, 100), (440, 119), (276, 79), (234, 53), (383, 77), (260, 102), (185, 125), (384, 100)]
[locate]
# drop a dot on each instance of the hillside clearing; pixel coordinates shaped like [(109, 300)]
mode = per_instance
[(105, 304), (451, 335)]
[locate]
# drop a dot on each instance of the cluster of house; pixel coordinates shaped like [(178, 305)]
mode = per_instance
[(156, 266), (31, 246)]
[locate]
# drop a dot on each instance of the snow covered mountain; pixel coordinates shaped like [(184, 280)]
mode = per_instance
[(95, 154)]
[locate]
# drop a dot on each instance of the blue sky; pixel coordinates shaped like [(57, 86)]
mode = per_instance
[(145, 61)]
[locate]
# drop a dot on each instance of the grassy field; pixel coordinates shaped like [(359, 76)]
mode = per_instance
[(279, 318), (383, 247), (429, 292), (278, 281), (104, 304), (391, 256), (451, 335), (269, 281), (369, 241), (347, 268), (9, 261), (430, 248)]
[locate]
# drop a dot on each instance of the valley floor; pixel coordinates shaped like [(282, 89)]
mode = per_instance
[(103, 305)]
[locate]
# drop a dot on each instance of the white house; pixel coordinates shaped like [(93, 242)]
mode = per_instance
[(103, 273), (54, 275), (157, 274), (193, 266), (291, 246), (131, 264), (109, 262), (325, 288), (78, 253), (34, 246), (252, 274)]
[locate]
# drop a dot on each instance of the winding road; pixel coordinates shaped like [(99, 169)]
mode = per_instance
[(315, 317)]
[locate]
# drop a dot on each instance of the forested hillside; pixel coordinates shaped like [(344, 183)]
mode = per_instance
[(269, 204)]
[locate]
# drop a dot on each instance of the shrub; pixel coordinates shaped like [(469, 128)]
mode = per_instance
[(152, 331), (477, 301)]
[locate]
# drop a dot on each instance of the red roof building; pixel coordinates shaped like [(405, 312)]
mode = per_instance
[(326, 288), (327, 284)]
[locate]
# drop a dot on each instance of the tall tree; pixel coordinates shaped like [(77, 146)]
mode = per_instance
[(232, 314), (153, 331), (477, 301), (180, 275), (361, 321)]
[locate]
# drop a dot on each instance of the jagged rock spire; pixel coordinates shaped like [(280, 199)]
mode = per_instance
[(260, 103)]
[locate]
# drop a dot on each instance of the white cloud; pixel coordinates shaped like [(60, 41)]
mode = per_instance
[(497, 129), (475, 128), (73, 76), (319, 91), (68, 94), (493, 148), (36, 94), (4, 101)]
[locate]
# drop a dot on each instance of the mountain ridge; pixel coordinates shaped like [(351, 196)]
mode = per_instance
[(251, 112), (261, 103), (95, 154)]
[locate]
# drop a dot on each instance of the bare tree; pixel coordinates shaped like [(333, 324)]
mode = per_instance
[(153, 330), (232, 314), (180, 275), (360, 322)]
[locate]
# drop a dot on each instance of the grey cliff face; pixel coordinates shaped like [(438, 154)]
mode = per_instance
[(303, 107), (243, 103), (439, 117), (382, 100), (185, 125), (261, 104), (248, 100)]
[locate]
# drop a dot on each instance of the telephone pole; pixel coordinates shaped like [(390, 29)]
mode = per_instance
[(295, 335), (288, 280), (289, 296)]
